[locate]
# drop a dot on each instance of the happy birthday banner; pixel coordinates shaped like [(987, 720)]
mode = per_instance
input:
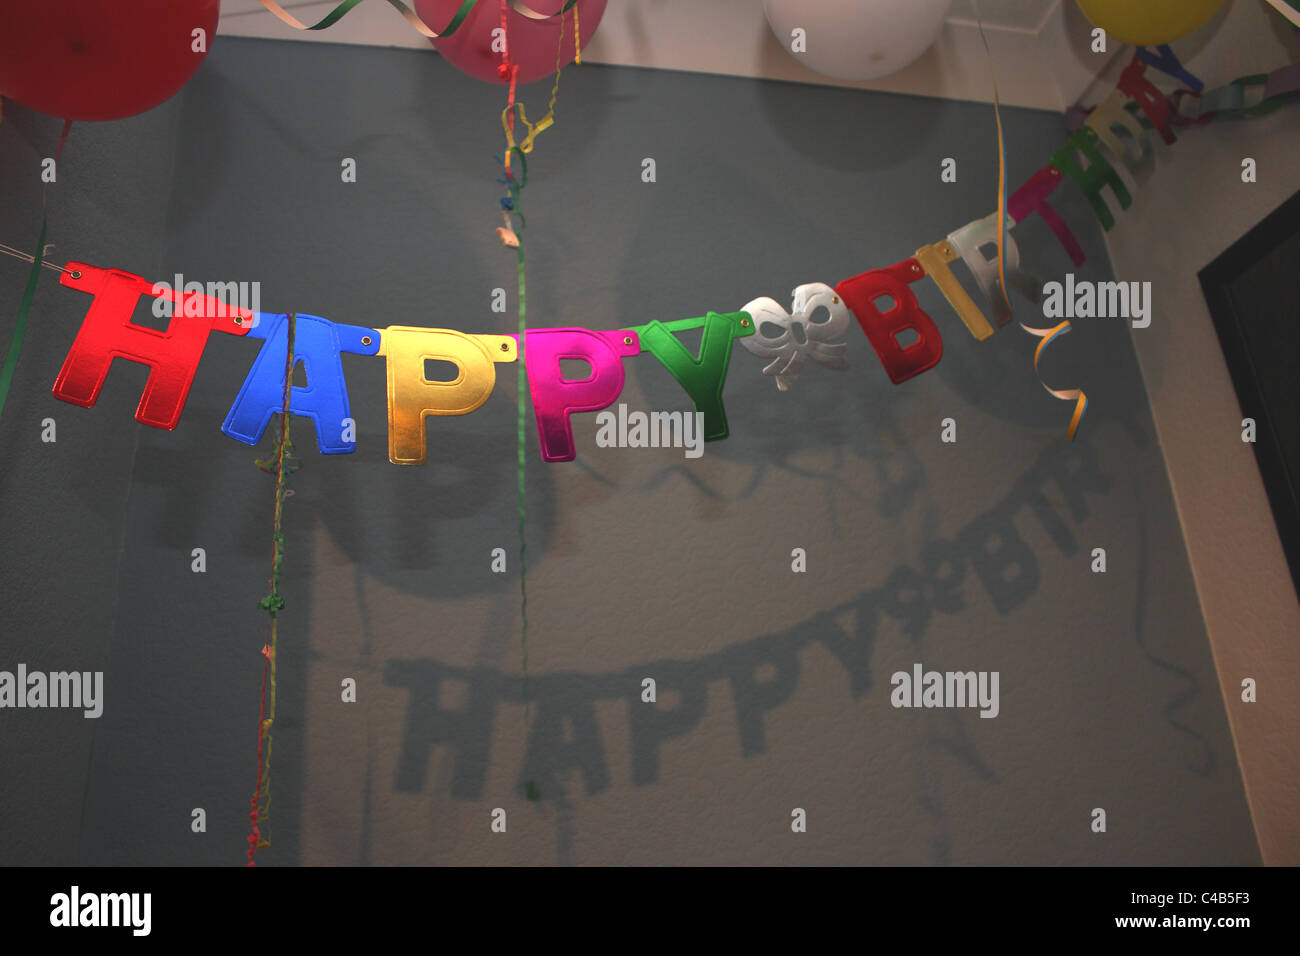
[(820, 311)]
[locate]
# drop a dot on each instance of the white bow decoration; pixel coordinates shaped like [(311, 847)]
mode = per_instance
[(805, 333)]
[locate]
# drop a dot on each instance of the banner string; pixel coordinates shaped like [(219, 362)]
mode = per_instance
[(28, 257), (29, 291), (272, 604)]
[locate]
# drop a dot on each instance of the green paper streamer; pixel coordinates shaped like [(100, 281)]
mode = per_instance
[(702, 377), (515, 187), (20, 327), (520, 469)]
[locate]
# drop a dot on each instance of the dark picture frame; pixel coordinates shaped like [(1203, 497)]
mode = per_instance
[(1253, 293)]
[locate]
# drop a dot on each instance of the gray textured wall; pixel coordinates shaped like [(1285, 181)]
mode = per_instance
[(774, 687)]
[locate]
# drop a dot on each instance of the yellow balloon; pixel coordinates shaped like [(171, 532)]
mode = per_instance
[(1149, 22)]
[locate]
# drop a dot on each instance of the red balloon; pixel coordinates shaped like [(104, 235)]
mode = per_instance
[(100, 59), (533, 43)]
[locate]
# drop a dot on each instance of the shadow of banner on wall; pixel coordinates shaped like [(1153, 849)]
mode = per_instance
[(762, 672)]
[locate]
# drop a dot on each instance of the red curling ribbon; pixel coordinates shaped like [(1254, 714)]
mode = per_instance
[(503, 68), (1032, 198), (107, 332), (1153, 103), (861, 293)]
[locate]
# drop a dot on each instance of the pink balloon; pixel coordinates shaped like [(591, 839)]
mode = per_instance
[(532, 43), (555, 398)]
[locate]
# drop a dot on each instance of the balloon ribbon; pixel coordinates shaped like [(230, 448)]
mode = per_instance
[(20, 327), (520, 440), (272, 604)]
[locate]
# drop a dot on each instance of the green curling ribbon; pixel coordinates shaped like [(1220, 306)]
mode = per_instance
[(337, 14), (702, 377), (20, 327), (521, 442), (512, 205)]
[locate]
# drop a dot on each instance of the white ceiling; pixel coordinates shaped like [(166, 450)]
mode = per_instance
[(245, 6), (1040, 53), (1020, 14)]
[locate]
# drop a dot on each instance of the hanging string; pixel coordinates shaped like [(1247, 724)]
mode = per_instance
[(272, 604), (1002, 163), (577, 37), (521, 444), (510, 237), (510, 206), (29, 291), (503, 68), (521, 459)]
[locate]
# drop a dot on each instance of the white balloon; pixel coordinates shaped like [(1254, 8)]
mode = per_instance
[(857, 39)]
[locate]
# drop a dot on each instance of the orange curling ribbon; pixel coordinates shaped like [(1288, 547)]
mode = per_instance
[(577, 38), (1002, 166), (411, 17), (1065, 394), (1080, 399), (1002, 203)]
